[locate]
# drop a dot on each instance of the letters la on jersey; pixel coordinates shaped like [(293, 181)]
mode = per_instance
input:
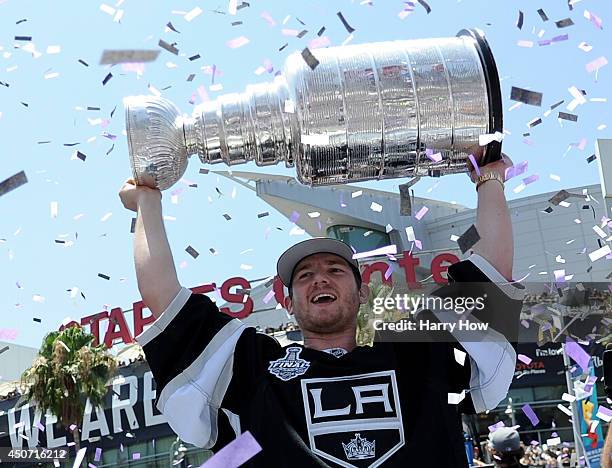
[(354, 421)]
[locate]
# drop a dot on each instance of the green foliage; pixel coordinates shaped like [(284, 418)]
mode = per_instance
[(366, 315), (67, 371)]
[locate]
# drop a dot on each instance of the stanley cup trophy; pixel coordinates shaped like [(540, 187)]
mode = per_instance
[(339, 115)]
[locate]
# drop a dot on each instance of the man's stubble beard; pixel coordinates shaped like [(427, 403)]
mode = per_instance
[(344, 316)]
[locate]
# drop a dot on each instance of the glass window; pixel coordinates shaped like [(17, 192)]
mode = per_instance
[(362, 239)]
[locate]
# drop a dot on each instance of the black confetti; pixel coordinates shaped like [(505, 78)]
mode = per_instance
[(310, 59), (405, 202), (283, 47), (564, 23), (191, 251), (4, 84), (204, 170), (23, 38), (194, 57), (13, 182), (525, 96), (302, 33), (468, 239), (345, 23), (243, 5), (557, 104), (236, 23), (133, 226), (591, 158), (111, 149), (548, 210), (25, 104), (535, 122), (81, 156), (37, 320), (106, 79), (113, 112), (570, 117), (103, 276), (559, 197), (21, 21), (570, 4), (91, 108), (425, 5), (169, 47), (227, 217), (71, 144), (519, 22), (262, 215), (300, 21), (542, 15), (321, 31), (83, 62), (60, 241), (6, 348), (212, 251), (43, 142)]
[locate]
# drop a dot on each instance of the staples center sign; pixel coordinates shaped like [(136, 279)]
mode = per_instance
[(118, 330)]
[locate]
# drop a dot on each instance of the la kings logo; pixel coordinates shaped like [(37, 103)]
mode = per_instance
[(290, 366), (354, 421)]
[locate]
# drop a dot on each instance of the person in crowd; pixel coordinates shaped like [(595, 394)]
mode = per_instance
[(506, 448), (327, 402)]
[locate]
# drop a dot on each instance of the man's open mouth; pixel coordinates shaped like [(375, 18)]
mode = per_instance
[(323, 298)]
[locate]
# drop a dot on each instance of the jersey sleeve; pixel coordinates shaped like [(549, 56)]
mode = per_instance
[(200, 357), (488, 373)]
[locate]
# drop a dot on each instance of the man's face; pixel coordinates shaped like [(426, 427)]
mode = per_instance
[(325, 295)]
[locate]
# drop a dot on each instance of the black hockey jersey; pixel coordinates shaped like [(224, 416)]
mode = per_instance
[(386, 405)]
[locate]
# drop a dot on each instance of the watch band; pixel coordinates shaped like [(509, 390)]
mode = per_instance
[(481, 179)]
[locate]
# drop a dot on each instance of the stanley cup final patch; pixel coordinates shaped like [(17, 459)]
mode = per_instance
[(289, 366), (354, 421)]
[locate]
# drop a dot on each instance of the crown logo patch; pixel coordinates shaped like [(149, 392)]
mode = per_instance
[(359, 448)]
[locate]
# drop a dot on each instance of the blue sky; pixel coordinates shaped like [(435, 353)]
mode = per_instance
[(49, 92)]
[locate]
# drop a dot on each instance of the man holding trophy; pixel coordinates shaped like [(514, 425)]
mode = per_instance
[(351, 113)]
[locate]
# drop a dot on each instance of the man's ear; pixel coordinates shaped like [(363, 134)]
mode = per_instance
[(288, 305), (364, 293)]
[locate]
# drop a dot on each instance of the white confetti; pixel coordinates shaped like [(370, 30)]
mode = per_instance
[(600, 232), (459, 356), (376, 207), (568, 397), (54, 209), (197, 11), (599, 253), (565, 409), (456, 398), (555, 177), (410, 233), (54, 49), (109, 10), (314, 214), (106, 216), (244, 266), (356, 194)]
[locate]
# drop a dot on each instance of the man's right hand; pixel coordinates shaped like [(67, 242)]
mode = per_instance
[(131, 195)]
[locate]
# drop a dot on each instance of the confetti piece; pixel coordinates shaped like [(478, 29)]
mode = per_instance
[(169, 47), (599, 253), (197, 11), (578, 354), (474, 164), (456, 398), (596, 64), (591, 158), (13, 182), (523, 43), (525, 96), (605, 414), (585, 47), (468, 239), (459, 356), (593, 18), (294, 217), (376, 207), (564, 23), (345, 23), (227, 217), (389, 249), (528, 410), (191, 251), (265, 15), (79, 457), (110, 57), (6, 348), (421, 213), (107, 79), (566, 116), (424, 4), (542, 15), (237, 42), (103, 276), (106, 217), (496, 426), (268, 297), (568, 397), (310, 59), (234, 454), (519, 21), (524, 359)]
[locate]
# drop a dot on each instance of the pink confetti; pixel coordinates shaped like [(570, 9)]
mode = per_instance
[(418, 244), (269, 296), (265, 15), (136, 456), (528, 410), (318, 42), (531, 179), (40, 426), (596, 64), (433, 157), (267, 64), (235, 453), (290, 32), (516, 170), (237, 42), (202, 93), (389, 271), (421, 213), (593, 18), (578, 354), (294, 217), (524, 359), (581, 145), (496, 426), (563, 37), (98, 454)]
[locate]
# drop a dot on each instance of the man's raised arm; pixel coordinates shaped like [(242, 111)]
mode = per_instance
[(157, 280)]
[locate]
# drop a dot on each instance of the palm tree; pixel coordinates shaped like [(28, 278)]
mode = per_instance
[(67, 371)]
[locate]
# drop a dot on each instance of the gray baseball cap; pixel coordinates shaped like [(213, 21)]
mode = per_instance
[(294, 254), (505, 439)]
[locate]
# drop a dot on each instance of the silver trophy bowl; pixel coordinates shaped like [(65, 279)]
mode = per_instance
[(338, 115)]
